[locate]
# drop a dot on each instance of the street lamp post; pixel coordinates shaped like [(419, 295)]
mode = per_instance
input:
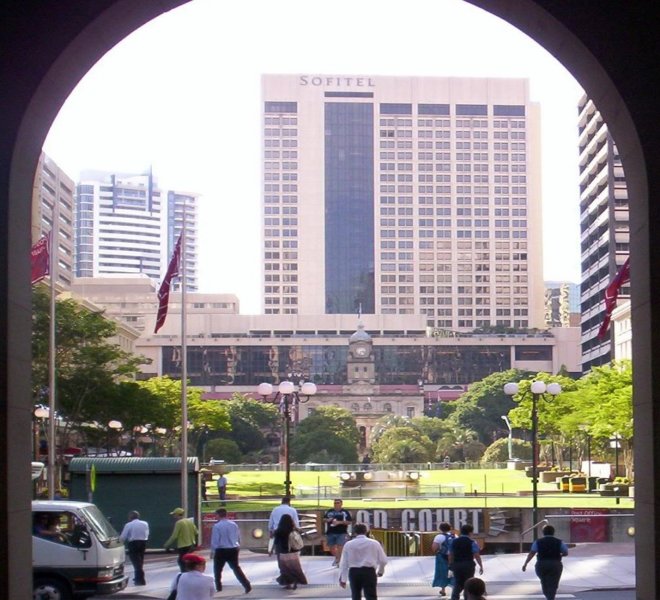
[(288, 397), (510, 440), (537, 389), (40, 414), (585, 430), (615, 443), (116, 426)]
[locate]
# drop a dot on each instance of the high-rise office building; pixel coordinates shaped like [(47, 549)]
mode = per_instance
[(126, 224), (604, 228), (182, 208), (402, 195), (52, 198)]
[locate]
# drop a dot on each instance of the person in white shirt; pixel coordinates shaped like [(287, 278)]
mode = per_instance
[(283, 509), (135, 535), (192, 584), (362, 561)]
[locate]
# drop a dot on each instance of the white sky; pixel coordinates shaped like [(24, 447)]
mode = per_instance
[(183, 94)]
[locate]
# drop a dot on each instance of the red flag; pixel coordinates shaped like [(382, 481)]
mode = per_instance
[(164, 290), (612, 293), (40, 259)]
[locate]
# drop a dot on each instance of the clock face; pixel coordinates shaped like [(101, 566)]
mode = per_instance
[(361, 351)]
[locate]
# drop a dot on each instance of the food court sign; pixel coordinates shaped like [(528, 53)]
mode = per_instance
[(428, 519)]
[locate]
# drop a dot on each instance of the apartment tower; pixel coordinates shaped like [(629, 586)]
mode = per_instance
[(126, 224), (402, 195), (52, 198), (604, 229)]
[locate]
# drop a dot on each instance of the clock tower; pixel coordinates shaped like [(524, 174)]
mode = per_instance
[(360, 364)]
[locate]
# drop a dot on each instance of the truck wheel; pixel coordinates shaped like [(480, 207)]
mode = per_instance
[(51, 589)]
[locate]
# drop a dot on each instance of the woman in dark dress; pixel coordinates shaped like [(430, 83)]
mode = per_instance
[(291, 573)]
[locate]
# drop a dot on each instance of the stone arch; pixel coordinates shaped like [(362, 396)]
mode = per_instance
[(48, 48)]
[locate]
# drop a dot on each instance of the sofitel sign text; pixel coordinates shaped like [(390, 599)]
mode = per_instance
[(317, 80)]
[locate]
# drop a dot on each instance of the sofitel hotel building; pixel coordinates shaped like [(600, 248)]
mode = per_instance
[(402, 196)]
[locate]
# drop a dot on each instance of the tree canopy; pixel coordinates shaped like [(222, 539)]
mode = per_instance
[(329, 434), (89, 367)]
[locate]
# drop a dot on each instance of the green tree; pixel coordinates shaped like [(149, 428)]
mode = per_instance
[(330, 431), (498, 451), (226, 450), (431, 427), (88, 364), (388, 422), (460, 445), (551, 411), (204, 416), (602, 408), (402, 445), (480, 409), (249, 419)]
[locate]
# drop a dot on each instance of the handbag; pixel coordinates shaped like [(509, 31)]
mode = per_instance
[(172, 595), (295, 541)]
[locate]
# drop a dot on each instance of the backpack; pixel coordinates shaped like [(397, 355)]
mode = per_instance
[(444, 547)]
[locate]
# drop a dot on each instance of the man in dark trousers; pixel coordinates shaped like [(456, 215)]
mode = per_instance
[(548, 562), (463, 552), (135, 535), (362, 562), (225, 543)]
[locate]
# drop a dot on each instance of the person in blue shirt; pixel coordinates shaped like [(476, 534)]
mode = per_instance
[(225, 543), (463, 553), (548, 551)]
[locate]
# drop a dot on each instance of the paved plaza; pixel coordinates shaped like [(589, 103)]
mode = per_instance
[(588, 567)]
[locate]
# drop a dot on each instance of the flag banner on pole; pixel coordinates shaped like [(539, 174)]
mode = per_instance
[(164, 290), (612, 294), (40, 259)]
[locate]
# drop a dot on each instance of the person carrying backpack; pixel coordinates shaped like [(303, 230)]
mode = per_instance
[(463, 553), (440, 548)]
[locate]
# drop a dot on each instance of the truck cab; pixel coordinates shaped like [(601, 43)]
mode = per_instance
[(76, 552)]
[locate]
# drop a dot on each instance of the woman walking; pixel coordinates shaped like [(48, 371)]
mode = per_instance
[(288, 560), (440, 547)]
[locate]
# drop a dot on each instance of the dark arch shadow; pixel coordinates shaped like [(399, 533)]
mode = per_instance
[(47, 47)]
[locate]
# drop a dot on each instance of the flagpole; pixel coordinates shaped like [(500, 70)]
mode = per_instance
[(184, 369), (52, 417)]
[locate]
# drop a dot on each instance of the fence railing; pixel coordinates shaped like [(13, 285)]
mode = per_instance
[(429, 466)]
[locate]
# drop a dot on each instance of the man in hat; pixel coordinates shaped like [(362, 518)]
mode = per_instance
[(192, 583), (225, 543), (184, 535)]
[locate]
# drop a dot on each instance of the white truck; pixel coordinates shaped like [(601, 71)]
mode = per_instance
[(76, 552)]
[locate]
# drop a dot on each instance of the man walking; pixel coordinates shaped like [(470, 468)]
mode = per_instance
[(222, 487), (362, 562), (135, 535), (184, 535), (284, 508), (548, 562), (337, 520), (225, 544), (463, 552)]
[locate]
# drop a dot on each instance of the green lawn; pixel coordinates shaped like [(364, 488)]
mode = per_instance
[(260, 490)]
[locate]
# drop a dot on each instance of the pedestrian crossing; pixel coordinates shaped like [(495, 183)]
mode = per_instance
[(417, 597)]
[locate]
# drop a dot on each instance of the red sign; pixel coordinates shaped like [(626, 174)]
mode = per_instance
[(587, 525)]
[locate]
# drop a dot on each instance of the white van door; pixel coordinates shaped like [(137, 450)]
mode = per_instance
[(60, 539)]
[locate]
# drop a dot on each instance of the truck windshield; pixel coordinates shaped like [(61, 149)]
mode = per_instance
[(101, 526)]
